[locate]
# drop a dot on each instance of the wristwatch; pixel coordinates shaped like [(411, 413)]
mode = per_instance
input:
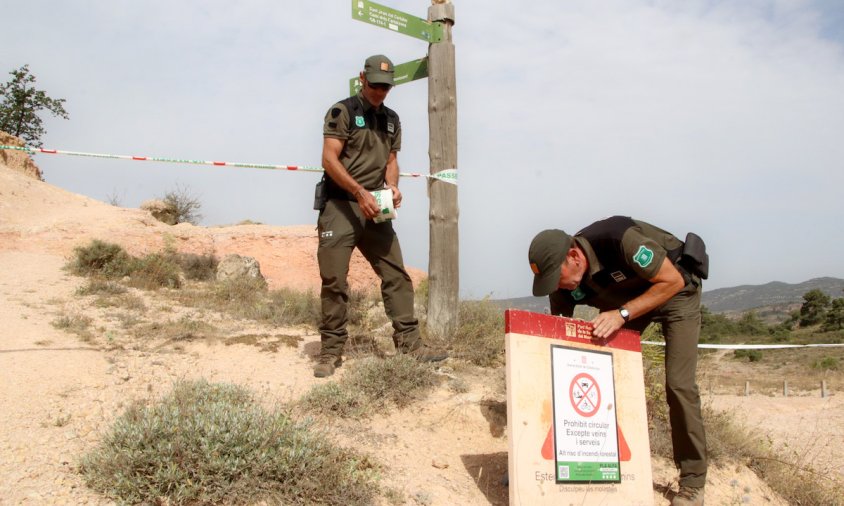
[(625, 314)]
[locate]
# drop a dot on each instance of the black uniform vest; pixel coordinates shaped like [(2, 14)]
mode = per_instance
[(372, 120), (616, 275)]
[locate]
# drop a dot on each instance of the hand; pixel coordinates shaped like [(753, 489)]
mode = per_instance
[(396, 195), (606, 323), (368, 205)]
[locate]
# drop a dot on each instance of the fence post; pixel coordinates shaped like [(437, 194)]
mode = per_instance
[(746, 388), (824, 393), (785, 388)]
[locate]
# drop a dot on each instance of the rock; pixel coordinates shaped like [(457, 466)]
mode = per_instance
[(235, 266), (439, 464)]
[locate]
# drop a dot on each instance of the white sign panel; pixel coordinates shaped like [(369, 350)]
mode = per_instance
[(585, 423)]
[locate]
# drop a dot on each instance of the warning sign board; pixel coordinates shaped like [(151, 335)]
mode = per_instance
[(585, 428), (577, 425)]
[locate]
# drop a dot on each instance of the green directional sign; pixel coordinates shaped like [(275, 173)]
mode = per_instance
[(403, 73), (391, 19)]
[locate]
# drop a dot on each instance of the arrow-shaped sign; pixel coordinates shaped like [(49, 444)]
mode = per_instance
[(391, 19)]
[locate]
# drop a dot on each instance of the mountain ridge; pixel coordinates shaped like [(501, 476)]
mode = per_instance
[(775, 296)]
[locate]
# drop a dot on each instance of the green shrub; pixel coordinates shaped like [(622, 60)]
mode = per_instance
[(213, 444), (156, 270), (100, 258)]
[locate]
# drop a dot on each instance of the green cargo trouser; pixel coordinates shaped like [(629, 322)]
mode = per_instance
[(342, 227), (680, 319)]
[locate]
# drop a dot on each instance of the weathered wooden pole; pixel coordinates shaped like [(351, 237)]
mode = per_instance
[(443, 254)]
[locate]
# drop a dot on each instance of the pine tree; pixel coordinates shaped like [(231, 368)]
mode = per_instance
[(813, 310)]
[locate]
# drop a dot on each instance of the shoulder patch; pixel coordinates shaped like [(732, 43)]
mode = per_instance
[(335, 112), (578, 294), (332, 124), (359, 121), (643, 256)]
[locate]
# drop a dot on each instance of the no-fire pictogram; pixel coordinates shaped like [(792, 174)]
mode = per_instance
[(585, 395)]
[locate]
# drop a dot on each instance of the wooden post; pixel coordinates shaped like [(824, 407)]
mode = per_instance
[(824, 393), (746, 388), (443, 254), (785, 388)]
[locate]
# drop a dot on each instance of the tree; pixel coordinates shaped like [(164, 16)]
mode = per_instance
[(184, 205), (20, 106), (814, 307), (835, 316)]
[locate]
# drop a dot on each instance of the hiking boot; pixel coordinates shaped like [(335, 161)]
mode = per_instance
[(425, 354), (688, 496), (326, 365)]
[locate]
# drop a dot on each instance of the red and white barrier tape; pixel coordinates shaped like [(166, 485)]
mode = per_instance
[(448, 176)]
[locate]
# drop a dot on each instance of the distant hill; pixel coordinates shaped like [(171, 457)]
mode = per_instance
[(770, 298), (775, 293)]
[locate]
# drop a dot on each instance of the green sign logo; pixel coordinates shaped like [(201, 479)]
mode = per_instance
[(578, 294), (359, 121), (643, 257)]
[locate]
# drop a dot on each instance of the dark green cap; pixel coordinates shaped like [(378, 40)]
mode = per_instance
[(379, 69), (547, 252)]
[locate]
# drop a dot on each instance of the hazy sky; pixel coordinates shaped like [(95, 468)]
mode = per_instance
[(721, 118)]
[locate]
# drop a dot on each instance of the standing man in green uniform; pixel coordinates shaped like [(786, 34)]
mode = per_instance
[(361, 137), (635, 274)]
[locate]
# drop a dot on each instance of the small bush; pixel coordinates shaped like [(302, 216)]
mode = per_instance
[(479, 338), (75, 324), (826, 364), (183, 205), (197, 267), (295, 307), (371, 385), (213, 444), (100, 258), (154, 271)]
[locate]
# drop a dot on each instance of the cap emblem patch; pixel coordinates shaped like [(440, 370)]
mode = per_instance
[(534, 268), (385, 66)]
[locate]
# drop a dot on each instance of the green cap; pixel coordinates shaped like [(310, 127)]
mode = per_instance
[(379, 69), (547, 252)]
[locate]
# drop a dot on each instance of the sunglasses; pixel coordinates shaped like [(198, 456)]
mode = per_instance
[(379, 86)]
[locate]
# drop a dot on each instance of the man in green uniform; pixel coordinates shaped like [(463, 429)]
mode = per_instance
[(361, 137), (635, 274)]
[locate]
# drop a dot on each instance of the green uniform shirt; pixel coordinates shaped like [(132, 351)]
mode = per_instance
[(369, 136)]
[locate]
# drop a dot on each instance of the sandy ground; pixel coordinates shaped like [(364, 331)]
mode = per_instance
[(59, 394)]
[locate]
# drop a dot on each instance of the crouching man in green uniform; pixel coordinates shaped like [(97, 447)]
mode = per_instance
[(361, 136), (635, 274)]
